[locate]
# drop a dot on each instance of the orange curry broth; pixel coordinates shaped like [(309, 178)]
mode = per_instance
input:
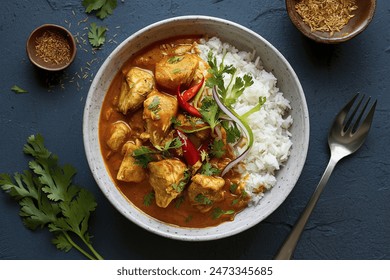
[(185, 215)]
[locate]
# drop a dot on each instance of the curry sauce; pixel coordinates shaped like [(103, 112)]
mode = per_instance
[(180, 209)]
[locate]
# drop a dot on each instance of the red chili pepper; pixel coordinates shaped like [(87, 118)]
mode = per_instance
[(187, 106), (190, 153), (191, 92)]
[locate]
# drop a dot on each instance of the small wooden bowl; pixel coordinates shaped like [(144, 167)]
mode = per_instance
[(49, 64), (362, 17)]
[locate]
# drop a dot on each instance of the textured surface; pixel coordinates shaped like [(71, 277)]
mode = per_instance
[(351, 220)]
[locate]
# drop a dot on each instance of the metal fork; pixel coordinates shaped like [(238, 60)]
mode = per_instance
[(347, 134)]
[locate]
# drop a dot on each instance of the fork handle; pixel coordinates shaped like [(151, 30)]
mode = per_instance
[(287, 249)]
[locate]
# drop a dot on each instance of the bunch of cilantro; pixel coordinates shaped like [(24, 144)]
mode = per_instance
[(48, 198)]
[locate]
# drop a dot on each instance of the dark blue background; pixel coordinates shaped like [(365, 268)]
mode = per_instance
[(351, 220)]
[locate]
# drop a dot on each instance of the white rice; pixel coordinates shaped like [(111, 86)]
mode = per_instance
[(270, 125)]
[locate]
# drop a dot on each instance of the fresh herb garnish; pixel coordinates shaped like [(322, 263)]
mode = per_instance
[(188, 218), (226, 96), (237, 89), (218, 148), (143, 155), (175, 121), (218, 212), (233, 188), (242, 196), (208, 170), (233, 133), (154, 106), (174, 143), (103, 8), (149, 198), (179, 187), (175, 59), (210, 112), (217, 72), (96, 35), (18, 89), (48, 198), (179, 201), (202, 199), (176, 71)]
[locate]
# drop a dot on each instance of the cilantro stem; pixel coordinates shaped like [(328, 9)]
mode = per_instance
[(97, 255), (195, 129), (81, 250)]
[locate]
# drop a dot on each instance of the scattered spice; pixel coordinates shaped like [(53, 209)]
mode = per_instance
[(53, 48), (326, 15)]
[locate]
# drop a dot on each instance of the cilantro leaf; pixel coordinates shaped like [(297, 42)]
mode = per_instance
[(179, 201), (218, 148), (149, 198), (217, 73), (18, 89), (48, 198), (96, 35), (233, 133), (179, 187), (210, 112), (233, 188), (143, 156), (37, 216), (61, 242), (238, 89), (23, 186), (218, 212), (107, 9), (154, 106), (202, 199), (103, 8), (175, 59), (209, 170)]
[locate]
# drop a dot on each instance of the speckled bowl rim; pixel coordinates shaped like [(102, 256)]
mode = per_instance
[(243, 38)]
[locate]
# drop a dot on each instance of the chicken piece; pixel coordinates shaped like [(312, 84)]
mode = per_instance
[(119, 132), (205, 190), (159, 108), (172, 71), (165, 178), (137, 85), (129, 170)]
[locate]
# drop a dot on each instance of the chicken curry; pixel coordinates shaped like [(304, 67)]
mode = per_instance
[(160, 152)]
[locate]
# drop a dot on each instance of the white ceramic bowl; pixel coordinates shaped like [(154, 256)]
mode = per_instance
[(243, 39)]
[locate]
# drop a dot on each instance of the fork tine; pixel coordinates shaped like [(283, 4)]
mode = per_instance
[(348, 121), (366, 123), (351, 122), (357, 122), (341, 116)]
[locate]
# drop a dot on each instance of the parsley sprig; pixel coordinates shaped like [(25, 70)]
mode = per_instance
[(48, 198)]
